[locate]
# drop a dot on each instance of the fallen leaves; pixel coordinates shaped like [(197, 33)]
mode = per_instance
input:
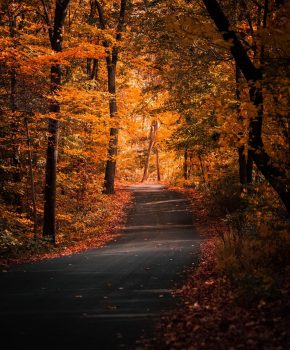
[(108, 230), (211, 316), (112, 307)]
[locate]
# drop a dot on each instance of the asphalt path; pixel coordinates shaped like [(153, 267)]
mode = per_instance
[(105, 298)]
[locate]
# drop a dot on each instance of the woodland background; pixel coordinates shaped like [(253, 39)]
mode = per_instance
[(98, 94)]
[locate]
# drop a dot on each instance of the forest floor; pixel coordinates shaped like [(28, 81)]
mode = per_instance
[(108, 230), (214, 314)]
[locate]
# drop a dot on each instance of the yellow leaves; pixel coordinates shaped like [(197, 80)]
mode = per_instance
[(81, 98), (64, 217), (81, 104), (187, 28), (86, 30), (24, 221), (11, 57), (47, 60), (83, 50), (40, 57), (15, 219), (76, 152), (5, 42)]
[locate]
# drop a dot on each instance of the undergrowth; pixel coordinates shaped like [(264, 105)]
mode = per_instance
[(95, 223), (253, 247)]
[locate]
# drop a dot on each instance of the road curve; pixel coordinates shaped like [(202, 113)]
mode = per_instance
[(106, 298)]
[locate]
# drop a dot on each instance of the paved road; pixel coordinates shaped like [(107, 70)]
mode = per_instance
[(104, 298)]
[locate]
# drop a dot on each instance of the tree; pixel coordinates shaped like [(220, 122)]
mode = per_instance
[(278, 177), (56, 39), (152, 140), (111, 60), (8, 68)]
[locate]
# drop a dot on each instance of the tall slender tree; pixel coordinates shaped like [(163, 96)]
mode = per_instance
[(152, 139), (56, 39), (111, 60)]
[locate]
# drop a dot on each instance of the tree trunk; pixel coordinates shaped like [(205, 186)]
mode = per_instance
[(185, 165), (31, 176), (49, 218), (157, 152), (89, 67), (15, 159), (16, 164), (202, 168), (92, 63), (249, 169), (275, 175), (245, 161), (241, 148), (242, 166), (92, 68), (288, 134), (190, 166), (112, 59), (245, 167), (158, 165), (110, 171), (95, 69), (56, 38), (150, 148)]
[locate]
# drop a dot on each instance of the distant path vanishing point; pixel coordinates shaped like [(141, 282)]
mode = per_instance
[(105, 298)]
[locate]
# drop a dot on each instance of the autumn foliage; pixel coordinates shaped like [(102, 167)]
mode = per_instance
[(195, 94)]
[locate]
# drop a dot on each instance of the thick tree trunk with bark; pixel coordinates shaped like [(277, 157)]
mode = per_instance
[(112, 59), (110, 171), (56, 38), (278, 177), (49, 218), (245, 161)]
